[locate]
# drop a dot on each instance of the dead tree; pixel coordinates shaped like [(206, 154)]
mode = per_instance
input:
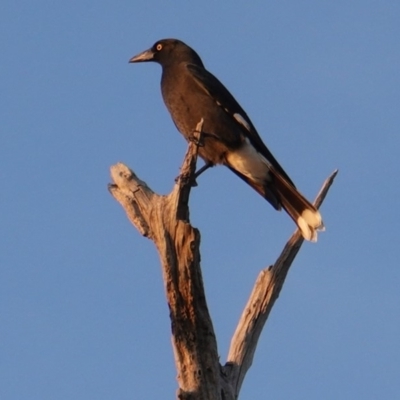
[(165, 220)]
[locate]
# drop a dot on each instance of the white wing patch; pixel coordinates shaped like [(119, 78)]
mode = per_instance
[(249, 162), (242, 121)]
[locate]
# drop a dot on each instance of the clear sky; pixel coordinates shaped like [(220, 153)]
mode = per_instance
[(82, 307)]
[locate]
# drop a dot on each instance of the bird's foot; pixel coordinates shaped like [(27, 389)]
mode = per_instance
[(186, 179), (197, 139)]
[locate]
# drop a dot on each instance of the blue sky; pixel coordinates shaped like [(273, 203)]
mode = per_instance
[(82, 307)]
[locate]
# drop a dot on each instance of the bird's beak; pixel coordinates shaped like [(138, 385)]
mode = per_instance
[(147, 55)]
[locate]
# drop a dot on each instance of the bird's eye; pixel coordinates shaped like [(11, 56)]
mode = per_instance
[(159, 47)]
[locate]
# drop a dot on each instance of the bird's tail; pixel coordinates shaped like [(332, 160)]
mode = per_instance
[(280, 192), (304, 214)]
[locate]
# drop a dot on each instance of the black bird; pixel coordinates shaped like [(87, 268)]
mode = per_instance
[(229, 138)]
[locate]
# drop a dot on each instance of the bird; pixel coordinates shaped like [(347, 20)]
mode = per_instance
[(192, 93)]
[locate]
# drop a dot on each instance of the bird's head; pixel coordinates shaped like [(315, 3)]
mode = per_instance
[(168, 51)]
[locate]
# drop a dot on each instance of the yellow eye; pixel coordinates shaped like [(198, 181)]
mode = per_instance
[(159, 47)]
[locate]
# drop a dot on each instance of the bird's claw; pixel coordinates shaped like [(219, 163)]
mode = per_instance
[(197, 139), (186, 179)]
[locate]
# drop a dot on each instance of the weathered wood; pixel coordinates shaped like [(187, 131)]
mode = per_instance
[(165, 220), (265, 292)]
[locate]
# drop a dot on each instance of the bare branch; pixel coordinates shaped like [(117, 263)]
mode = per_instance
[(133, 195), (265, 292)]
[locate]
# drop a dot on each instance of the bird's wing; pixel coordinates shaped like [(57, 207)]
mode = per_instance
[(214, 88)]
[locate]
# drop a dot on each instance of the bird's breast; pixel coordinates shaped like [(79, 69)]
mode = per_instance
[(188, 104)]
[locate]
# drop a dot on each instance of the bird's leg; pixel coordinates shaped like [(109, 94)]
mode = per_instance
[(199, 172), (202, 169), (197, 138)]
